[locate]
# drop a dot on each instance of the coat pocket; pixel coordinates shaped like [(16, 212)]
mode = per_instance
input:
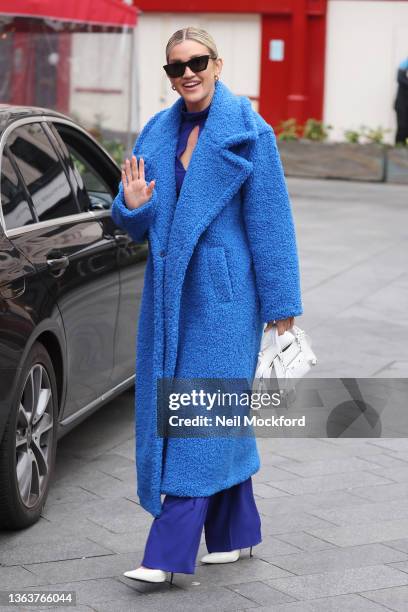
[(219, 273)]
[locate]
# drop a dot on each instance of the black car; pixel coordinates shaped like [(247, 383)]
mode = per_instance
[(70, 289)]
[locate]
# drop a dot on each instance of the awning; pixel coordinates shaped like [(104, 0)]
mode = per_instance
[(95, 12)]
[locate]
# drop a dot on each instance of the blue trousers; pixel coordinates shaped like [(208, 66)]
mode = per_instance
[(230, 519)]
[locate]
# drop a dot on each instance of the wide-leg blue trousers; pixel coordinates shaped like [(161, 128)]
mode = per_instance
[(230, 519)]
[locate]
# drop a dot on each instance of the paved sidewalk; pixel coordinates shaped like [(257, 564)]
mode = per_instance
[(334, 512), (353, 245)]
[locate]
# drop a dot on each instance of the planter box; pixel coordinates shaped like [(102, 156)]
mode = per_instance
[(396, 168), (337, 160)]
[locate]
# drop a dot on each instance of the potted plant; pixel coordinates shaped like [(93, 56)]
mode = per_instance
[(288, 130), (310, 154)]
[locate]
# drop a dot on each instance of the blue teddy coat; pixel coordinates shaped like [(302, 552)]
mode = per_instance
[(222, 262)]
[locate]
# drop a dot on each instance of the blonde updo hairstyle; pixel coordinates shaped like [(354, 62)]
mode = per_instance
[(192, 33)]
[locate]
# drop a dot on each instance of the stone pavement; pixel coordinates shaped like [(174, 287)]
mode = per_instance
[(353, 243), (334, 511)]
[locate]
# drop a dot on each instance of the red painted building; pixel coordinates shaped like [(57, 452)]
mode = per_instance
[(292, 50)]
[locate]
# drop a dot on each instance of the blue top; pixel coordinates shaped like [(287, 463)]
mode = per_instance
[(189, 120)]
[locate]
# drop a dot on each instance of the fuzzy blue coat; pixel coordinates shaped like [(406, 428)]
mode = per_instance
[(222, 261)]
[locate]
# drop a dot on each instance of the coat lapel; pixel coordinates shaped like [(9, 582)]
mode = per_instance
[(215, 174)]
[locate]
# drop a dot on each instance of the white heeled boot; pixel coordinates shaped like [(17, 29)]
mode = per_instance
[(223, 557), (148, 575)]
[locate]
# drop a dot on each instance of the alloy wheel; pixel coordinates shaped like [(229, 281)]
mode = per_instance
[(34, 435)]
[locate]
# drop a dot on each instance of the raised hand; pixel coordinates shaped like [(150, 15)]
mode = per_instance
[(135, 189)]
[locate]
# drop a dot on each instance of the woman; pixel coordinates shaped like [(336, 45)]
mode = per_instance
[(206, 187), (401, 103)]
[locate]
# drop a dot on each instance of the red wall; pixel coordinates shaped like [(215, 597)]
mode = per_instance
[(293, 87), (289, 88), (227, 6)]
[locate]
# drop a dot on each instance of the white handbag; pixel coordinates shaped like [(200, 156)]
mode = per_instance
[(286, 358)]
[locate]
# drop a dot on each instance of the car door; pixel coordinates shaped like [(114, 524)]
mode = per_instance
[(100, 177), (73, 258), (19, 286)]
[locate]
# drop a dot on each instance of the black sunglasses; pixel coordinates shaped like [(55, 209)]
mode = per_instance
[(196, 64)]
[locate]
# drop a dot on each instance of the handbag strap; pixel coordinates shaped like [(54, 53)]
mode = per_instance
[(277, 340), (294, 330)]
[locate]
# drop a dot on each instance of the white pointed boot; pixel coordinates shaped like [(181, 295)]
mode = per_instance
[(147, 575), (223, 557)]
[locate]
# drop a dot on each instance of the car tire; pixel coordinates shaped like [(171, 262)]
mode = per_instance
[(28, 448)]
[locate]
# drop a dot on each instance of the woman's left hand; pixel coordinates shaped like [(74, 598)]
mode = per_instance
[(282, 325)]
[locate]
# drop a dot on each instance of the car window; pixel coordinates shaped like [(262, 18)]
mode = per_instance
[(15, 207), (93, 167), (42, 172), (75, 178)]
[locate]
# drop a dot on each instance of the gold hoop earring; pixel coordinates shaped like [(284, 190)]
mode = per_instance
[(173, 87)]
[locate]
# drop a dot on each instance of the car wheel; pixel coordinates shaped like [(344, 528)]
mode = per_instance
[(27, 451)]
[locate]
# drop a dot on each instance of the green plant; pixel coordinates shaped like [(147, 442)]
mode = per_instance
[(352, 136), (316, 130), (288, 130), (115, 148), (375, 135), (79, 166)]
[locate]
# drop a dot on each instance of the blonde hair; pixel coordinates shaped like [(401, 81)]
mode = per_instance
[(192, 33)]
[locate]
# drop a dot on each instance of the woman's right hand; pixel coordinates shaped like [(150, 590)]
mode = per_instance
[(135, 189)]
